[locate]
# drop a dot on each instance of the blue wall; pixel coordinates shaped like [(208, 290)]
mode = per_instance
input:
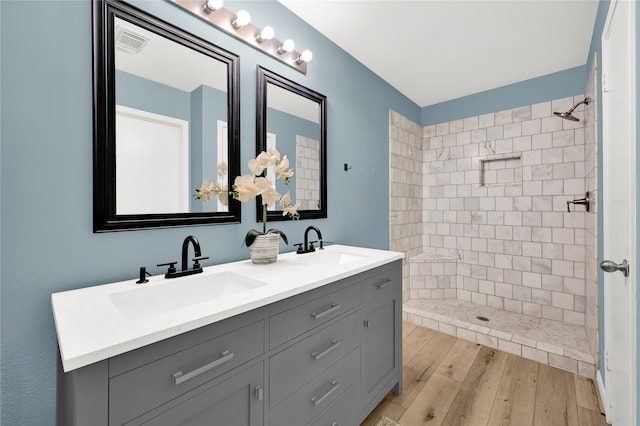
[(558, 85), (46, 173), (147, 95)]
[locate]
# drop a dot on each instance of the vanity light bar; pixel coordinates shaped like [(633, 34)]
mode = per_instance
[(248, 33)]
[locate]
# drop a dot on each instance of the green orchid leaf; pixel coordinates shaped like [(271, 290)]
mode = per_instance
[(251, 237)]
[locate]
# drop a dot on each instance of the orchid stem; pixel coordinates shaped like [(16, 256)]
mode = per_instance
[(264, 218)]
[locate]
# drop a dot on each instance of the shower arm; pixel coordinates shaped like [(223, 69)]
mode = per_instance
[(586, 101)]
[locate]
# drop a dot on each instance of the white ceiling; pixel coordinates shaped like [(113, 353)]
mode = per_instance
[(434, 51)]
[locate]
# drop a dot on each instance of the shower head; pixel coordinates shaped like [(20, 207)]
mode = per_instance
[(569, 114)]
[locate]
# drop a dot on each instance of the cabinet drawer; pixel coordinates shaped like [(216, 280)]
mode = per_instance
[(377, 284), (314, 397), (293, 322), (344, 412), (297, 364), (138, 391)]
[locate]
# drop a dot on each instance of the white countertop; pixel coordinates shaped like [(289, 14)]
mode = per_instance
[(92, 327)]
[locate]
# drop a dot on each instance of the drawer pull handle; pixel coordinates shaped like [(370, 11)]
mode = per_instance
[(333, 308), (179, 377), (317, 401), (335, 424), (384, 284), (334, 345)]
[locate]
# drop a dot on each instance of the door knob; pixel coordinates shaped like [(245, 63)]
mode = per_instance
[(611, 266)]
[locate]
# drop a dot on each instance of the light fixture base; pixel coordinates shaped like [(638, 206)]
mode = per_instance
[(223, 19)]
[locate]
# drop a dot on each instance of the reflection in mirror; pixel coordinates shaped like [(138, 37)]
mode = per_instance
[(291, 118), (172, 101), (166, 123)]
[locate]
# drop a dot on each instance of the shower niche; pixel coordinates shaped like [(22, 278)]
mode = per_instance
[(501, 170)]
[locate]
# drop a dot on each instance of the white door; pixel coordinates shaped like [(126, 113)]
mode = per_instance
[(619, 201), (145, 183)]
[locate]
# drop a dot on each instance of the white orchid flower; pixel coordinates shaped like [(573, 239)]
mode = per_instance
[(257, 166), (245, 188), (222, 169), (269, 197), (292, 211), (285, 201)]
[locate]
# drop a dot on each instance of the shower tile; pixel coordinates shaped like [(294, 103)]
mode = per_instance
[(522, 113), (513, 130), (504, 117), (535, 354), (563, 138), (470, 123), (466, 334), (511, 347), (542, 141), (563, 363), (486, 120), (531, 127), (541, 110)]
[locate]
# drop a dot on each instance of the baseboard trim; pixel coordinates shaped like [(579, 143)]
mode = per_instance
[(603, 395)]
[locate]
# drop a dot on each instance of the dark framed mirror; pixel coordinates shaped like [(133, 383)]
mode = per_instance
[(292, 119), (166, 120)]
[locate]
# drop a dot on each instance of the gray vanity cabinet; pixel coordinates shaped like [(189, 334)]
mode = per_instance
[(238, 401), (381, 336), (327, 356)]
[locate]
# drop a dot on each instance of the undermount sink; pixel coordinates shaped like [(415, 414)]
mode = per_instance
[(179, 293), (329, 257)]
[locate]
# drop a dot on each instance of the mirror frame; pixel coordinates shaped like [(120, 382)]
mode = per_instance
[(105, 218), (265, 77)]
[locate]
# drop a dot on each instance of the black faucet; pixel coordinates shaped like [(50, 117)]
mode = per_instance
[(195, 269), (308, 246)]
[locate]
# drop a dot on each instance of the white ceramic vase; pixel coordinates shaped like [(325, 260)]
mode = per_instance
[(265, 248)]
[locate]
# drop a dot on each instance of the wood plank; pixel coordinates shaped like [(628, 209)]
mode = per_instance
[(555, 398), (473, 403), (413, 341), (587, 393), (590, 418), (385, 408), (459, 360), (407, 328), (432, 402), (516, 398), (420, 368)]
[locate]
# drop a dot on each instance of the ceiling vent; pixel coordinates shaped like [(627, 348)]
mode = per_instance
[(130, 41)]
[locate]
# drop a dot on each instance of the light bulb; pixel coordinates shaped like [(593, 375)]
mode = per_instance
[(287, 46), (242, 19), (267, 33), (306, 56), (212, 5)]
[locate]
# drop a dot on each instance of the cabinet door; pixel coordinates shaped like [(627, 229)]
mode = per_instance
[(237, 401), (380, 341)]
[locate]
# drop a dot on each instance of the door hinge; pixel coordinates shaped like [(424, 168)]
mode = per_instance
[(605, 87), (606, 361)]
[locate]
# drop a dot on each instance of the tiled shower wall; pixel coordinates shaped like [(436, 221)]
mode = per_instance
[(405, 189), (494, 191), (521, 250), (307, 172)]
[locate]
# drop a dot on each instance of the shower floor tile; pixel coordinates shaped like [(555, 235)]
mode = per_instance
[(551, 342)]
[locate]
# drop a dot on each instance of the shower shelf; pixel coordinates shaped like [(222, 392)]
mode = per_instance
[(501, 170)]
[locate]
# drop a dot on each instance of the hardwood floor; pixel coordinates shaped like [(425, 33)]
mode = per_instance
[(448, 381)]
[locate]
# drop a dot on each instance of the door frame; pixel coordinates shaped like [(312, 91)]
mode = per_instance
[(609, 347)]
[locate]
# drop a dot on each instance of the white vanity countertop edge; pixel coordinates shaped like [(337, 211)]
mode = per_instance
[(90, 327)]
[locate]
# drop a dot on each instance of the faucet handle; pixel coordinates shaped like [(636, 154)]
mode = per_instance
[(196, 261), (171, 265), (300, 250), (311, 247)]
